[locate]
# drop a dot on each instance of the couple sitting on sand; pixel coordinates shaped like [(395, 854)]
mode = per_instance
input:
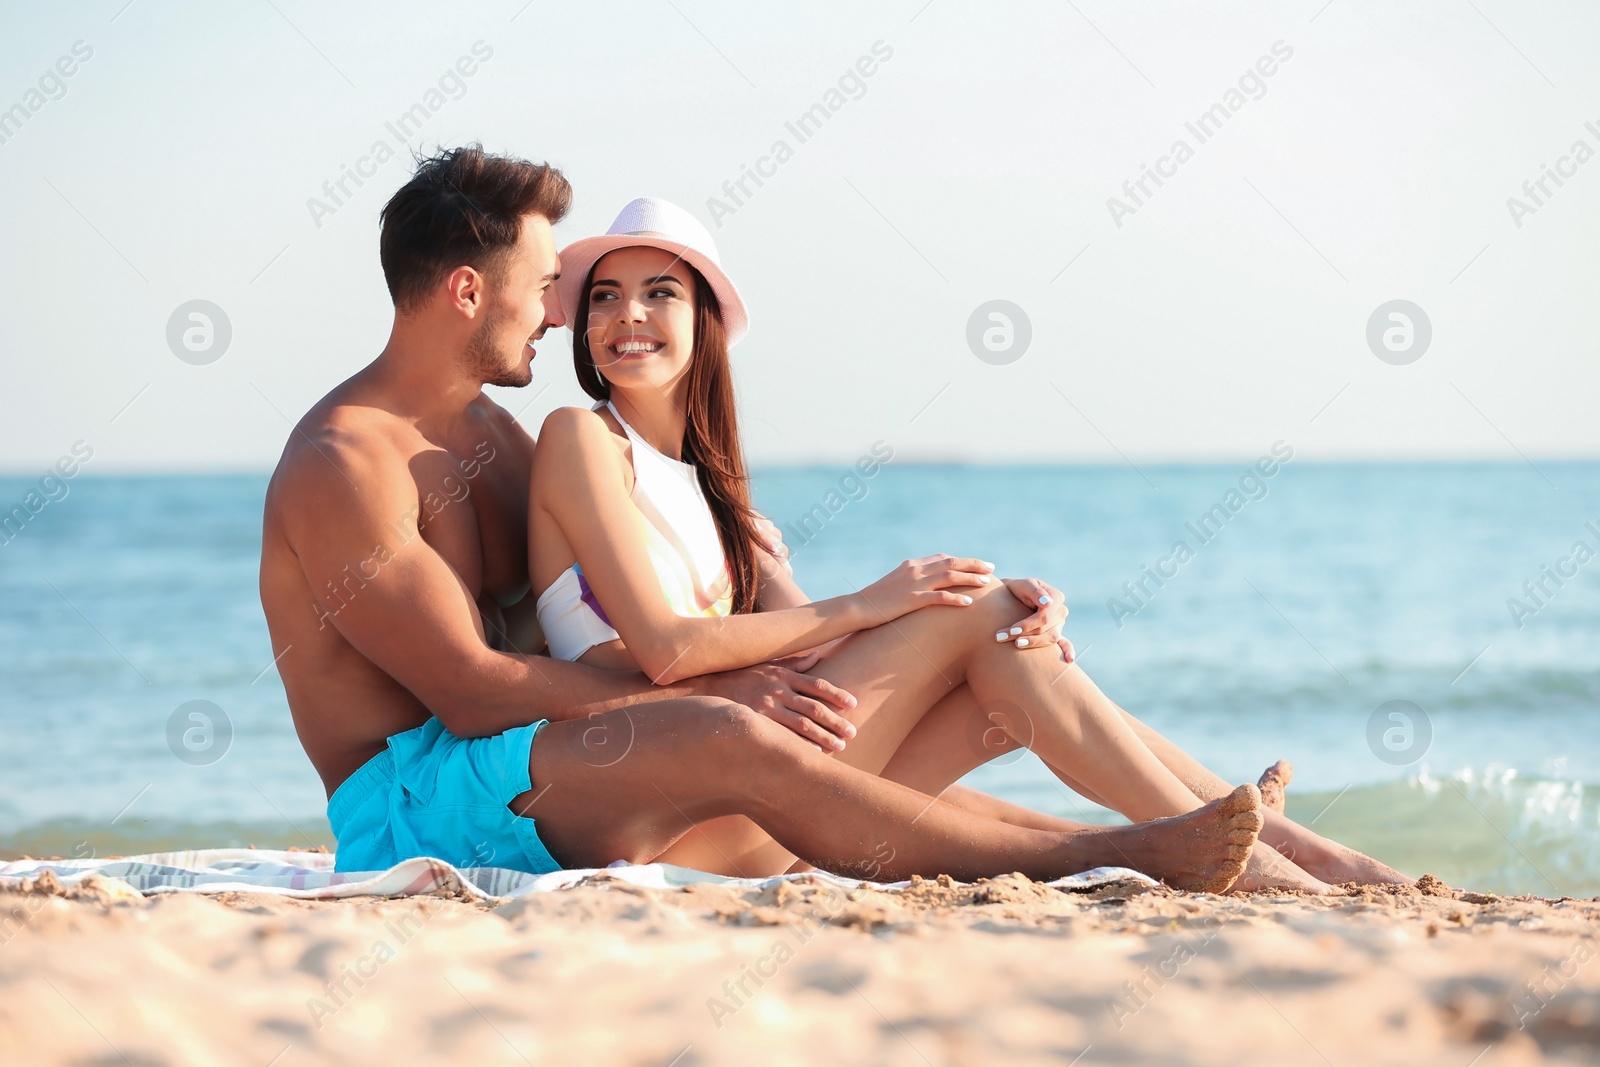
[(419, 551)]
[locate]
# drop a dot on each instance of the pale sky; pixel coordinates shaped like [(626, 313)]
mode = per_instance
[(975, 163)]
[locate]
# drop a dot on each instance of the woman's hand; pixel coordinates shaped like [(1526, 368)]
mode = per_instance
[(1042, 629), (921, 583)]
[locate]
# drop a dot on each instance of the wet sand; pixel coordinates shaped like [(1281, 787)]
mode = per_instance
[(1004, 971)]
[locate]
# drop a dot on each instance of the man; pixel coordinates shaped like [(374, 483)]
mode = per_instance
[(395, 586)]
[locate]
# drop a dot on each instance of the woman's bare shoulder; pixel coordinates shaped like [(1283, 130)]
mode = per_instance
[(572, 424), (572, 438)]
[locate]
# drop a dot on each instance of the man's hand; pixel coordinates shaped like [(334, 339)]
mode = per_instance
[(772, 540), (784, 694), (1042, 629)]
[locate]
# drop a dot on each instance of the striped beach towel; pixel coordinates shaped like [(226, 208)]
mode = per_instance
[(310, 876)]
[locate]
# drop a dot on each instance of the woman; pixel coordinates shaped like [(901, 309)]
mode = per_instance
[(675, 549), (647, 554)]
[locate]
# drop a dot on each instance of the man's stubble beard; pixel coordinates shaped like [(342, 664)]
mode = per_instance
[(486, 365)]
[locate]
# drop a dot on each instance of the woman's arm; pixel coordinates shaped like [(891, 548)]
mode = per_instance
[(1042, 629), (579, 482)]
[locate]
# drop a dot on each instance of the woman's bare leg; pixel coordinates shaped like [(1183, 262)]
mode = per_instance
[(956, 736), (693, 760), (1318, 855), (957, 733), (941, 730), (900, 670), (729, 845), (1274, 784)]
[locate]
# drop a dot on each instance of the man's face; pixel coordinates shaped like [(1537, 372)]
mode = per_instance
[(520, 304)]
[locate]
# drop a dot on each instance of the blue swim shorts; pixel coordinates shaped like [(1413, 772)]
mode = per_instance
[(431, 793)]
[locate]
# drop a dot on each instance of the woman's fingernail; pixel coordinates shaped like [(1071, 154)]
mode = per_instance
[(1001, 636), (1044, 598), (1022, 642), (986, 563), (965, 599), (983, 579), (1015, 630)]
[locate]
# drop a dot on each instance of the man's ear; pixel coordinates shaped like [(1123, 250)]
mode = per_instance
[(465, 287)]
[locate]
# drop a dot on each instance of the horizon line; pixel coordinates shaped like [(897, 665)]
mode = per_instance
[(157, 471)]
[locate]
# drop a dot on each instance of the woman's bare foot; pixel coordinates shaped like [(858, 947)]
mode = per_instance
[(1204, 850), (1269, 869), (1274, 780), (1333, 862), (1326, 859)]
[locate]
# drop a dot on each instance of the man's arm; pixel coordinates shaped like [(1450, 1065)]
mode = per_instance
[(416, 619)]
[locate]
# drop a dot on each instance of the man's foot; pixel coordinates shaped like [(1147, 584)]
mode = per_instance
[(1204, 850), (1274, 780)]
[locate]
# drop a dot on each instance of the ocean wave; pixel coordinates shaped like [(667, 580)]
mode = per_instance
[(1491, 829), (91, 839)]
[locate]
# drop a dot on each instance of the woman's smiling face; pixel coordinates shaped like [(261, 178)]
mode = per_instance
[(641, 317)]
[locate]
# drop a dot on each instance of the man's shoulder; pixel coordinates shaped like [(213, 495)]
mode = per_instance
[(339, 442), (485, 409), (499, 423)]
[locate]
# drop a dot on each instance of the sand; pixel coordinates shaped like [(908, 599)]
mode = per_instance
[(1005, 971)]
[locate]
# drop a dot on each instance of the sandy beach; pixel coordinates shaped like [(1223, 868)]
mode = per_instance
[(1006, 970)]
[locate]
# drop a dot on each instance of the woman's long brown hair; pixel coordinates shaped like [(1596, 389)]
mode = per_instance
[(711, 433)]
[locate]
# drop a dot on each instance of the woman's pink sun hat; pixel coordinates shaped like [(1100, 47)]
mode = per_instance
[(653, 223)]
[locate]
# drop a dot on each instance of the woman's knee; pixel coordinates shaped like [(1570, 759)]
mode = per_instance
[(993, 609)]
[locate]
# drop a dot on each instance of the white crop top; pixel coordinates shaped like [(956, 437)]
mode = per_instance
[(681, 536)]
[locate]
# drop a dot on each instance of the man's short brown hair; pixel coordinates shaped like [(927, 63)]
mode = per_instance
[(463, 207)]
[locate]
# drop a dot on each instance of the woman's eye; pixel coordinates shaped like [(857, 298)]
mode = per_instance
[(599, 298), (662, 294)]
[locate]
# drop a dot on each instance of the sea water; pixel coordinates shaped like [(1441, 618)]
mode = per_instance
[(1421, 641)]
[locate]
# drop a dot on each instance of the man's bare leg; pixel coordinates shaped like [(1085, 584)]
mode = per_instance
[(942, 746), (694, 760), (930, 739), (957, 734), (954, 736)]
